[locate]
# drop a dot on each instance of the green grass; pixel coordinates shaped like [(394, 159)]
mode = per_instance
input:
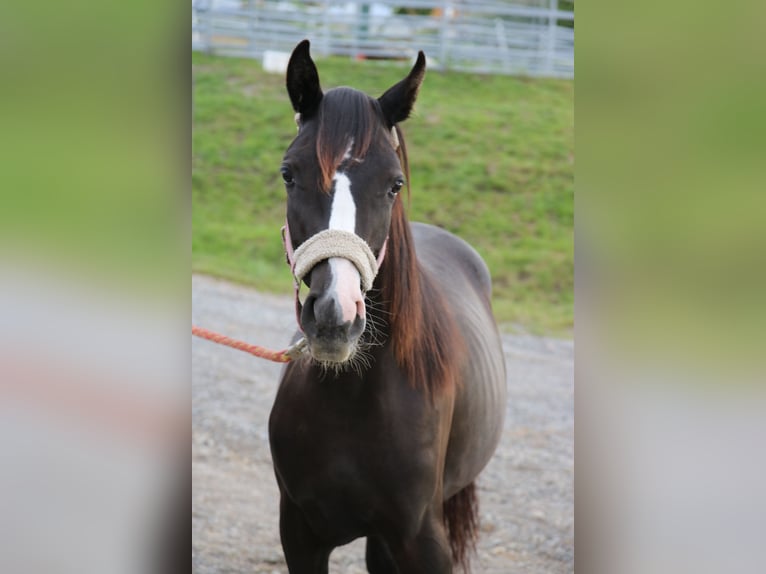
[(491, 159)]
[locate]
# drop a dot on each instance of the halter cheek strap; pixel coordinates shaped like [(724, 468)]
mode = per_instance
[(326, 244), (290, 259)]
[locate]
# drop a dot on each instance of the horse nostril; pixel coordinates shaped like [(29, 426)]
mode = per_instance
[(307, 312), (325, 310)]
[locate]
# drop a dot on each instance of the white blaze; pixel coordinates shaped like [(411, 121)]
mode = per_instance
[(345, 277), (343, 211)]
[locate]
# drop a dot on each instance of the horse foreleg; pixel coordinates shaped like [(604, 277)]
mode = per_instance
[(378, 557), (304, 552), (428, 551)]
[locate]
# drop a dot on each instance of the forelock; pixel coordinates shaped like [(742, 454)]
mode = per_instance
[(347, 117)]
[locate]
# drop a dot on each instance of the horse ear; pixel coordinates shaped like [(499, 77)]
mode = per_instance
[(303, 81), (398, 100)]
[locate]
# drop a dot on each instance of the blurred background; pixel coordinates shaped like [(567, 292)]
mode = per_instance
[(670, 242), (94, 391)]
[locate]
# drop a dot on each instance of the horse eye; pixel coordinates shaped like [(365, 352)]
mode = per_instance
[(287, 175), (397, 187)]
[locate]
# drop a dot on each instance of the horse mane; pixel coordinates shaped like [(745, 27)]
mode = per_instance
[(423, 331)]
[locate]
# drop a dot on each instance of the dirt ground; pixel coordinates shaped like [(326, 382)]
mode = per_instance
[(526, 492)]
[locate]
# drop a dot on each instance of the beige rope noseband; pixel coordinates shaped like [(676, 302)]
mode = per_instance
[(336, 243), (326, 244)]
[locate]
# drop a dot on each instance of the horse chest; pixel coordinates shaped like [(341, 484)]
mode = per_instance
[(355, 459), (344, 442)]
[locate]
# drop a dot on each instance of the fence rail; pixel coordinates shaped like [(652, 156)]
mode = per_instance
[(481, 36)]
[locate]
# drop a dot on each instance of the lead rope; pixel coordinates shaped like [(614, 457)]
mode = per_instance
[(285, 356)]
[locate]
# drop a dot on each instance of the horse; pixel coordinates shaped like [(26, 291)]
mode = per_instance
[(381, 429)]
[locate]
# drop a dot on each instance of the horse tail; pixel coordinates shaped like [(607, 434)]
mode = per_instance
[(461, 517)]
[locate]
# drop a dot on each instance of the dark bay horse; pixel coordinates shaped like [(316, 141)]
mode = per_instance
[(382, 428)]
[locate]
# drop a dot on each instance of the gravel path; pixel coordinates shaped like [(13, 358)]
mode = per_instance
[(526, 492)]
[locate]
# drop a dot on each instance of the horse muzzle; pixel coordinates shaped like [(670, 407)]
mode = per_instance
[(334, 315)]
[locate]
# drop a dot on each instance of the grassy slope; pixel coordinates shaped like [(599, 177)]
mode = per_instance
[(491, 159)]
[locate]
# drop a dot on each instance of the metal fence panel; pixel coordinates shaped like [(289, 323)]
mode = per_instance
[(522, 38)]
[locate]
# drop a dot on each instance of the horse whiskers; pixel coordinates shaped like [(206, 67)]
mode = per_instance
[(376, 304), (359, 361), (361, 358), (374, 334)]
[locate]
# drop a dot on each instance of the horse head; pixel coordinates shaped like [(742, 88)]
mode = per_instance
[(342, 174)]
